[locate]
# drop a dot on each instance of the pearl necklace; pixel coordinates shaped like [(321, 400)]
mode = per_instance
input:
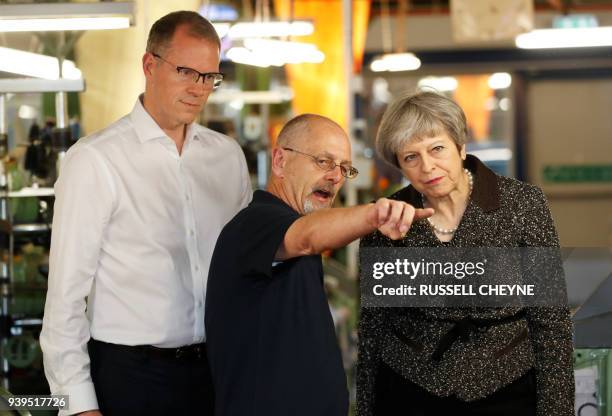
[(447, 231)]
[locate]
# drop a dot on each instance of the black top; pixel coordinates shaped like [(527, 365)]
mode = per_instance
[(501, 212), (270, 336)]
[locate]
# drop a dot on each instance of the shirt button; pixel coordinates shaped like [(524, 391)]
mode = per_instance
[(191, 233), (197, 268), (187, 197), (199, 304)]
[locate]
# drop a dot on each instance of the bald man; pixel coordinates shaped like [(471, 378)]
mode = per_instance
[(270, 335)]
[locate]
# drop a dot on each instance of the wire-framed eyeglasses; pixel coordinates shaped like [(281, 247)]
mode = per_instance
[(211, 80), (328, 164)]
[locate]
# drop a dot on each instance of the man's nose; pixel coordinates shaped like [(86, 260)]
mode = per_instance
[(197, 88), (335, 175)]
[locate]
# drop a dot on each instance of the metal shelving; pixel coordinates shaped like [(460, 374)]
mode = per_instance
[(9, 230)]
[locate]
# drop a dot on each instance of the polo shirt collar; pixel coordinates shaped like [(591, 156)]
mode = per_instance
[(264, 197)]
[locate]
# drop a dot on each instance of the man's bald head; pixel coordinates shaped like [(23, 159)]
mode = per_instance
[(300, 173), (302, 127)]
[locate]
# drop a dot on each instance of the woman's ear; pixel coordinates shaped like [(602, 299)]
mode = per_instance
[(462, 152)]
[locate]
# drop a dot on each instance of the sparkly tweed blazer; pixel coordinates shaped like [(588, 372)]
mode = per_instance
[(501, 212)]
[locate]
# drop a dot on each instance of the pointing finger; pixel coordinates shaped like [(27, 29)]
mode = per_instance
[(422, 213)]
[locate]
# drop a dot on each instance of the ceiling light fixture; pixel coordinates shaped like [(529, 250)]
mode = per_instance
[(500, 81), (243, 30), (246, 56), (442, 84), (35, 65), (48, 17), (68, 24), (565, 38), (286, 51), (400, 60), (268, 52), (394, 62)]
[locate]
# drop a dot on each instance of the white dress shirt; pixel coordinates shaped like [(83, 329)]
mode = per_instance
[(134, 229)]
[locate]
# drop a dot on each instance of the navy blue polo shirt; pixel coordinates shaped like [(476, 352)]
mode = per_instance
[(269, 332)]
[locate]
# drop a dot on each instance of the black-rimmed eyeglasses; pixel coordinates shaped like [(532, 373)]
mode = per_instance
[(328, 164), (211, 80)]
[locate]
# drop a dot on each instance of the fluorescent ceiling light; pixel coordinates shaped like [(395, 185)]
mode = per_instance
[(29, 85), (268, 52), (246, 56), (44, 17), (280, 46), (394, 62), (74, 23), (500, 81), (565, 38), (442, 84), (266, 29), (35, 65), (287, 51), (276, 96)]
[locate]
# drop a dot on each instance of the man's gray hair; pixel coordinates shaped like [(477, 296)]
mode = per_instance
[(162, 31), (418, 116)]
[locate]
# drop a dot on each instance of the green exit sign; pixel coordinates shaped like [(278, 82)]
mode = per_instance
[(573, 21), (577, 173)]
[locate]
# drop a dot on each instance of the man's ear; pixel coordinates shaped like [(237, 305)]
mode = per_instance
[(148, 61), (278, 162)]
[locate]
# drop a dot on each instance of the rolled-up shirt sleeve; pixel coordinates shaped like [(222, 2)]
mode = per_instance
[(84, 196)]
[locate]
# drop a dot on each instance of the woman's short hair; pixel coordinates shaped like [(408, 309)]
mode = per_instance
[(417, 116), (162, 31)]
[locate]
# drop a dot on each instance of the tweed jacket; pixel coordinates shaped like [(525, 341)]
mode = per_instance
[(501, 212)]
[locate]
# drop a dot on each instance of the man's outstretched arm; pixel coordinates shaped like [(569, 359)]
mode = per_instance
[(336, 227)]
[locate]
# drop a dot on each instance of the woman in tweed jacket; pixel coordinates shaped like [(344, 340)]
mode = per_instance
[(520, 362)]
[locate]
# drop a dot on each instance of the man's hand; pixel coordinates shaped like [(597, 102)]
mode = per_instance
[(394, 218), (90, 413)]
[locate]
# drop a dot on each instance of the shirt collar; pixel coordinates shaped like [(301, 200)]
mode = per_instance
[(146, 128), (268, 198), (485, 192)]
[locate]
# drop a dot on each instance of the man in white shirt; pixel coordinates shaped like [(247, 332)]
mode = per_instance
[(139, 206)]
